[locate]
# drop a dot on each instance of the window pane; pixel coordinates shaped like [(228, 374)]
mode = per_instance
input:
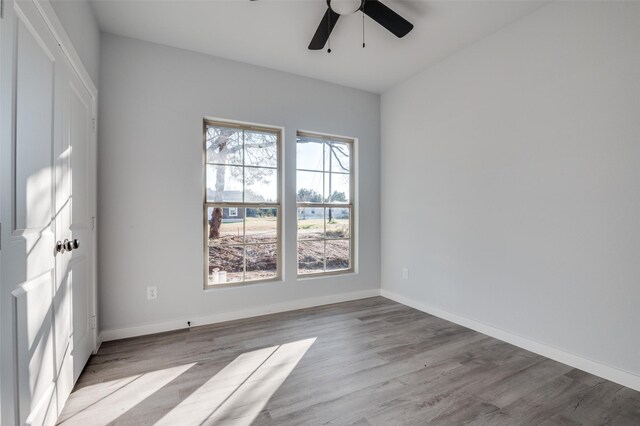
[(309, 154), (260, 149), (336, 188), (261, 185), (225, 264), (262, 262), (309, 187), (224, 145), (241, 167), (261, 226), (337, 223), (224, 183), (310, 223), (337, 255), (310, 257), (224, 227), (338, 157)]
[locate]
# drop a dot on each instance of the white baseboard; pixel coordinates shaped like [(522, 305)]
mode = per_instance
[(606, 372), (144, 329)]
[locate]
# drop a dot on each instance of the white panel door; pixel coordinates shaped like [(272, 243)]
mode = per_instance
[(76, 224), (28, 240), (46, 302)]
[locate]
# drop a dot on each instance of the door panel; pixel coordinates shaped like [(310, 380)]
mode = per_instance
[(62, 293), (74, 218), (62, 331), (81, 324), (34, 126), (80, 134), (35, 347)]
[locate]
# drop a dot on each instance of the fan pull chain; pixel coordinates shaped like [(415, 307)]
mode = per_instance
[(363, 29), (329, 30)]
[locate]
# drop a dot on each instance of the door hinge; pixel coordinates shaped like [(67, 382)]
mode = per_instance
[(93, 322), (93, 223), (93, 124)]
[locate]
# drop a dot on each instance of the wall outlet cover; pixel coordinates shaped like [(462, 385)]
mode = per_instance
[(405, 273), (152, 293)]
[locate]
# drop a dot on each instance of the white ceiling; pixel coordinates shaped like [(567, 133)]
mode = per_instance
[(276, 33)]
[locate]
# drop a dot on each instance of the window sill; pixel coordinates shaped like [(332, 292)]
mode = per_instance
[(323, 275), (277, 280)]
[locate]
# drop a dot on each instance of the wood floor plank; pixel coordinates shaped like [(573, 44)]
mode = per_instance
[(366, 362)]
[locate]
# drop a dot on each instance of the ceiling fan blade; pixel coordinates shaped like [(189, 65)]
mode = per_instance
[(324, 29), (386, 17)]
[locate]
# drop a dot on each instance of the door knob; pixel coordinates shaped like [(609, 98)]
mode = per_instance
[(67, 245), (75, 243), (59, 247)]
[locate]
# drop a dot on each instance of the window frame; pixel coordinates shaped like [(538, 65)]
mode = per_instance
[(279, 132), (351, 205)]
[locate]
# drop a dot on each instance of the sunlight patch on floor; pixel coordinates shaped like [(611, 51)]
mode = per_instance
[(241, 389), (116, 397)]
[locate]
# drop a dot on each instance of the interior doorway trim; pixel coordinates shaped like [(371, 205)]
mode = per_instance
[(54, 24)]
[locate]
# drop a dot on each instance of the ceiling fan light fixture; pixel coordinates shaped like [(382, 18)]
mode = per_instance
[(345, 7)]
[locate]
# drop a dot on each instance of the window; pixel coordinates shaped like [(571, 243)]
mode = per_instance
[(241, 203), (325, 204)]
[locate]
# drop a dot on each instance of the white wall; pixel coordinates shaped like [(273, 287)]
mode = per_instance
[(516, 165), (152, 102), (82, 28)]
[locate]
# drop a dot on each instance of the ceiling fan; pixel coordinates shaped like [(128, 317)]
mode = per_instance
[(377, 11)]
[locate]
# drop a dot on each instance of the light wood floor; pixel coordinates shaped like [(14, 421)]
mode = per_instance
[(371, 361)]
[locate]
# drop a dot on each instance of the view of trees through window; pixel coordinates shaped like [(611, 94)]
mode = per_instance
[(242, 203), (324, 201), (242, 209)]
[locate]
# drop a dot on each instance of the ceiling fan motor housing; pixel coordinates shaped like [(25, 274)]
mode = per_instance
[(345, 7)]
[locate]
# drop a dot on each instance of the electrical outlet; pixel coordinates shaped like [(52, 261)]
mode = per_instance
[(405, 273), (152, 293)]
